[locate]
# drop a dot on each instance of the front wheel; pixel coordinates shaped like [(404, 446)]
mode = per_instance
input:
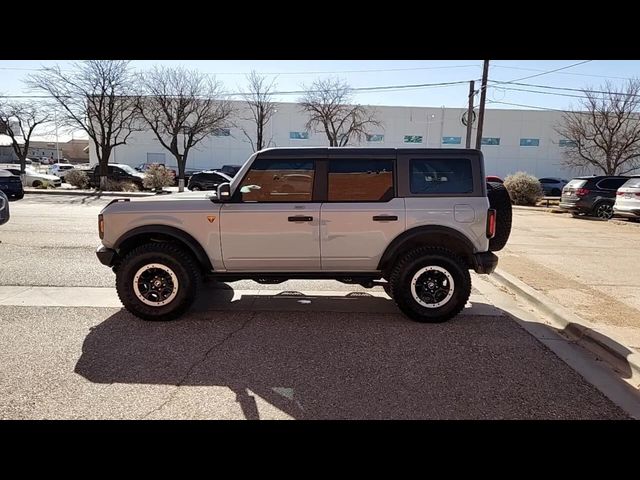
[(158, 281), (196, 188), (430, 285)]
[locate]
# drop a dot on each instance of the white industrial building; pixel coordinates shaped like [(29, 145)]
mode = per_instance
[(513, 140)]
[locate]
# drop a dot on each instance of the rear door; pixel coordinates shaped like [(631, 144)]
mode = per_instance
[(361, 214)]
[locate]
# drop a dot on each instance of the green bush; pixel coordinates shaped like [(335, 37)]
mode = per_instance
[(77, 178), (157, 177), (523, 188)]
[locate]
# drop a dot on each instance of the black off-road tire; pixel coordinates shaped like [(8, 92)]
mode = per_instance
[(183, 265), (500, 200), (409, 265)]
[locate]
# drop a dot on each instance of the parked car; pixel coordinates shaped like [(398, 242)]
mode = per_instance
[(628, 199), (552, 186), (207, 180), (11, 185), (60, 169), (492, 178), (230, 170), (117, 172), (34, 178), (594, 195), (4, 208)]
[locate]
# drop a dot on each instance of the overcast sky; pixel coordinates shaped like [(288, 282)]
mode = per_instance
[(291, 75)]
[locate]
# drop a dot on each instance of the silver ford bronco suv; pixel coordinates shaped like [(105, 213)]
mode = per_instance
[(418, 218)]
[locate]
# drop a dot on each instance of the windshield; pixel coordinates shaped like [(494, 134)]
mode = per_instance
[(127, 169)]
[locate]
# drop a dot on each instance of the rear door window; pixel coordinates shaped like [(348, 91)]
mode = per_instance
[(437, 176), (611, 183), (360, 180)]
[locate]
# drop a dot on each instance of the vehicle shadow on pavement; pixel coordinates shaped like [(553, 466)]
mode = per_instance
[(303, 361)]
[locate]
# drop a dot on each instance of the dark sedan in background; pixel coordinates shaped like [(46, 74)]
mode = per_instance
[(207, 180), (11, 185)]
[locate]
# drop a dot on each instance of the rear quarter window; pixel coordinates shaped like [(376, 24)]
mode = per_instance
[(576, 184), (437, 176)]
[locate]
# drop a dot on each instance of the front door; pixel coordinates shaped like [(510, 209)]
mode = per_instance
[(273, 223), (361, 214)]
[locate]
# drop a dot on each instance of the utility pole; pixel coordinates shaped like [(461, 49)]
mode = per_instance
[(483, 97), (470, 113)]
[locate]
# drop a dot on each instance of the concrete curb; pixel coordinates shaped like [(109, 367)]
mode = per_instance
[(580, 330), (86, 193), (539, 209)]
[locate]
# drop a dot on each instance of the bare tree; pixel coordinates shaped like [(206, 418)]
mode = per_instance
[(97, 96), (19, 120), (604, 134), (182, 107), (329, 104), (259, 97)]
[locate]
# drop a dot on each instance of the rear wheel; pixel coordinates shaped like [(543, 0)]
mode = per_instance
[(430, 285), (158, 281), (196, 188), (603, 210)]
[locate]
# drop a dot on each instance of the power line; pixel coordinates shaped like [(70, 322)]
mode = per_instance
[(563, 73), (567, 88), (535, 91), (550, 71), (530, 106), (298, 92)]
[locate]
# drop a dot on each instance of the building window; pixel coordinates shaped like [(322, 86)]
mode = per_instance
[(529, 142), (375, 137), (222, 132), (490, 141), (567, 143), (413, 139), (360, 180), (299, 135), (451, 140)]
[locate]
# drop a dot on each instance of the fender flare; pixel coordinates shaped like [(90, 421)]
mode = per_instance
[(175, 233), (436, 235)]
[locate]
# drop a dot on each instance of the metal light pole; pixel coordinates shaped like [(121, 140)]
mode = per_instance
[(55, 119)]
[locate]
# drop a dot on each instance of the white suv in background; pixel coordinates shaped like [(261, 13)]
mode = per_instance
[(628, 199), (60, 169)]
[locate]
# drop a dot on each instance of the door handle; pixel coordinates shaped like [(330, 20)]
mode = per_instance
[(300, 218), (385, 218)]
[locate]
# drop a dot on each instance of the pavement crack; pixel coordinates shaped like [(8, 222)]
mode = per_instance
[(198, 363)]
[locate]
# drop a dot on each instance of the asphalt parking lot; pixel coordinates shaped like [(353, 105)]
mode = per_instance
[(298, 350)]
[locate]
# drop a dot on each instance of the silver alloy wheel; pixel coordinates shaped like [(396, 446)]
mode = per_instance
[(155, 285), (432, 286), (604, 210), (195, 188)]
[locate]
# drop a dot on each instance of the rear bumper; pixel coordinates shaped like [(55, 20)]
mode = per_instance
[(485, 262), (106, 255)]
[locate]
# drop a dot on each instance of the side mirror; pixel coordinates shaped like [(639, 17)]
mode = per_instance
[(224, 192)]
